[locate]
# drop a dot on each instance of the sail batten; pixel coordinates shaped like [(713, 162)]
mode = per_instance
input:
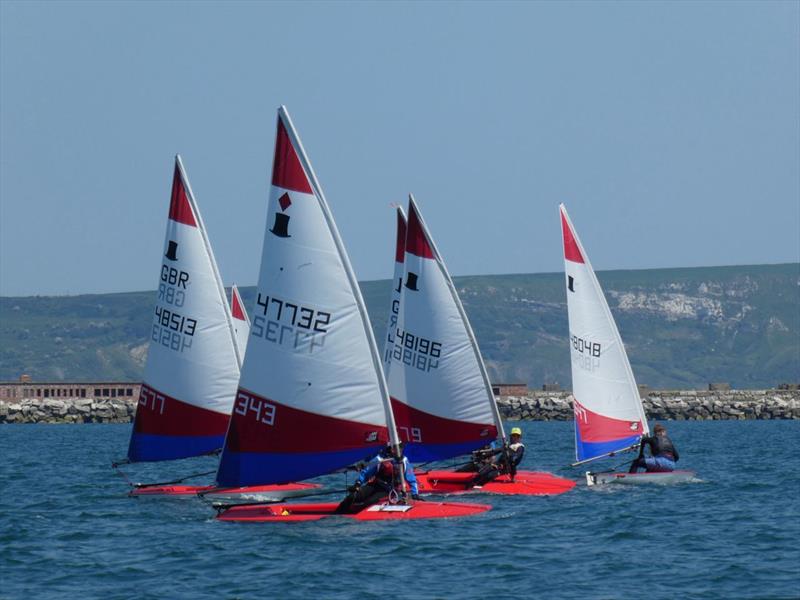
[(609, 416)]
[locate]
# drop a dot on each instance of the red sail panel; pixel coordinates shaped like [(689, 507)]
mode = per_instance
[(237, 310), (262, 425), (159, 414), (179, 208), (400, 252), (416, 241), (571, 250), (594, 427), (287, 171), (433, 429)]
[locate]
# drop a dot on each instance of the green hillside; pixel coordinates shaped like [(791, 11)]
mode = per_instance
[(683, 328)]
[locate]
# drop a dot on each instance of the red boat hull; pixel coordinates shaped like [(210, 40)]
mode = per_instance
[(531, 483), (277, 513), (276, 492)]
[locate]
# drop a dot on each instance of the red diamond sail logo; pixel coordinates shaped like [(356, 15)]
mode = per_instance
[(285, 202)]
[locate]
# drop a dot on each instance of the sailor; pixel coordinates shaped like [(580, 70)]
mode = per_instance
[(507, 461), (377, 480), (663, 454)]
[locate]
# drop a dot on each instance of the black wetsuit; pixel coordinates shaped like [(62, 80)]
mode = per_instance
[(662, 451), (365, 495), (660, 445), (491, 471)]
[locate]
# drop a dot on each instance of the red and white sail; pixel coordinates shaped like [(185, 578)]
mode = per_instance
[(192, 363), (312, 397), (241, 322), (441, 395), (397, 287), (609, 416)]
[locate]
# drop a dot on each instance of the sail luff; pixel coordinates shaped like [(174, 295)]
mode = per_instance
[(356, 290), (631, 380), (212, 260), (465, 321)]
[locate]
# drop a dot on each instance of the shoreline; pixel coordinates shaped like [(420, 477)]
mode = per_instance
[(667, 405)]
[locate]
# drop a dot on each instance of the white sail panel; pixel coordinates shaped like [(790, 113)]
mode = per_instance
[(608, 411)]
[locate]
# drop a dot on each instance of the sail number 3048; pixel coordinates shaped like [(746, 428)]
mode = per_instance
[(585, 347)]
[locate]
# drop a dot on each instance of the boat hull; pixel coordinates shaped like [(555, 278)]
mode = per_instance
[(530, 483), (278, 513), (658, 478), (263, 492)]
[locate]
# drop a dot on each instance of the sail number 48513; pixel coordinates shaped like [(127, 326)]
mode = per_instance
[(261, 410)]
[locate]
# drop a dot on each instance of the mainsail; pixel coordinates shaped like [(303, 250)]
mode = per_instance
[(312, 396), (441, 395), (609, 416), (192, 363), (241, 322)]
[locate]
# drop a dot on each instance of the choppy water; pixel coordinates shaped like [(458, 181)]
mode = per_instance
[(67, 530)]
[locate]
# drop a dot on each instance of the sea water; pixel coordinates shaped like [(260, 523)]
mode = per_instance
[(68, 530)]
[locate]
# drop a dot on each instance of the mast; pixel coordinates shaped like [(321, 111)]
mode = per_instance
[(470, 334), (373, 347)]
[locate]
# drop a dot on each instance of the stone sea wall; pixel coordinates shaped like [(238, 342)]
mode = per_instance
[(679, 405), (68, 410)]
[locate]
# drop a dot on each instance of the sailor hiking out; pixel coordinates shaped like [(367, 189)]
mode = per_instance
[(491, 462), (663, 454), (379, 479)]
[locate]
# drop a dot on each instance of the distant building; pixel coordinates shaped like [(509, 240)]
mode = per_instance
[(12, 391), (509, 389)]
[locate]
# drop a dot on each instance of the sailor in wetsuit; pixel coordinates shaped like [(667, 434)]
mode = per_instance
[(507, 462), (663, 454), (377, 480)]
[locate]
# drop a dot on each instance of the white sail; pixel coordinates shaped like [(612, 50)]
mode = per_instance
[(441, 395), (192, 363), (608, 410), (312, 396)]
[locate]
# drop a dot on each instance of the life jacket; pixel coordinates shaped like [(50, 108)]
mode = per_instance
[(661, 445)]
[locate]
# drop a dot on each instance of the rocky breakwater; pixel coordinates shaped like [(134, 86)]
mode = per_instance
[(78, 410), (679, 405)]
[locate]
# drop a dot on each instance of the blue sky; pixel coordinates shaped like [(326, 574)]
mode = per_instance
[(670, 130)]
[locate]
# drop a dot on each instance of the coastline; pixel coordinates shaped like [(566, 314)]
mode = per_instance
[(668, 405)]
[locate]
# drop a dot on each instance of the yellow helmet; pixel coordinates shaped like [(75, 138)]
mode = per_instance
[(516, 431)]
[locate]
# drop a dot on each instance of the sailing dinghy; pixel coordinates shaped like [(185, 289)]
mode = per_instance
[(193, 359), (322, 404), (609, 416), (441, 395)]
